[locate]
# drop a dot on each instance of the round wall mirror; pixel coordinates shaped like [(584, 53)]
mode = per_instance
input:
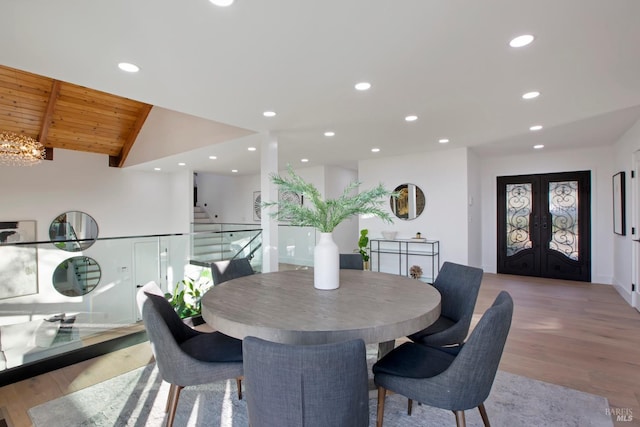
[(76, 276), (410, 201), (73, 231)]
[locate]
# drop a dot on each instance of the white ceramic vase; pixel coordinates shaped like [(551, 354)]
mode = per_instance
[(326, 263)]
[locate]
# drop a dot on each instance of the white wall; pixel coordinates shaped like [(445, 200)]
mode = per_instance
[(622, 245), (442, 176), (598, 160), (474, 202), (347, 233), (228, 197), (123, 203)]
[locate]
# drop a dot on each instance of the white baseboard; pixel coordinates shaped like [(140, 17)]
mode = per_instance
[(603, 280), (625, 294)]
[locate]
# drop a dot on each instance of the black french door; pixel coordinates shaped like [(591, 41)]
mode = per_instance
[(544, 225)]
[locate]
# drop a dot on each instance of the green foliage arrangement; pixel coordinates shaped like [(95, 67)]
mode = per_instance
[(187, 294), (185, 299), (363, 244), (325, 215)]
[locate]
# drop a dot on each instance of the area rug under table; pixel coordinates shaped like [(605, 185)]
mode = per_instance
[(138, 398)]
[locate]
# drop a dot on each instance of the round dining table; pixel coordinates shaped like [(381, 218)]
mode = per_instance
[(285, 307)]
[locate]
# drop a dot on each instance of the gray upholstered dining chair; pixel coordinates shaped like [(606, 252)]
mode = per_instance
[(351, 261), (221, 271), (458, 286), (453, 378), (183, 355), (306, 385)]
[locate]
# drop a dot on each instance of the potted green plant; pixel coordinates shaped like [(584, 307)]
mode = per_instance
[(187, 295), (325, 215), (363, 247), (185, 299)]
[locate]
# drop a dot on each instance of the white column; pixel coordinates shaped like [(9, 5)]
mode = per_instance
[(269, 192)]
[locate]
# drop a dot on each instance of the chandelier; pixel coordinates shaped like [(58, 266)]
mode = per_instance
[(20, 150)]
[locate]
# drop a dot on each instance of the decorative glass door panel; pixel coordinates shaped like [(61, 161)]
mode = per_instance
[(563, 209), (544, 225), (518, 213)]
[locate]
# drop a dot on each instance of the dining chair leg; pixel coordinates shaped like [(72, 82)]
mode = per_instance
[(166, 407), (409, 406), (382, 393), (172, 403), (483, 414), (169, 397), (239, 384), (460, 422)]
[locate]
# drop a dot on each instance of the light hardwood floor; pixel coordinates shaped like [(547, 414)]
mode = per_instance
[(582, 336)]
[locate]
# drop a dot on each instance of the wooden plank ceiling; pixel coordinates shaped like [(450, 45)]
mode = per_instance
[(64, 115)]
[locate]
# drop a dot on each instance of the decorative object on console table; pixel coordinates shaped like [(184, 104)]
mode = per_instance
[(389, 235), (325, 215), (397, 256), (415, 271), (619, 226)]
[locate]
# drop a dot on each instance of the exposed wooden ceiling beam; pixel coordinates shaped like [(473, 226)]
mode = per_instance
[(48, 116), (118, 161)]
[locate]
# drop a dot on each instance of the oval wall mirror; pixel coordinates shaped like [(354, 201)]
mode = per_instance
[(76, 276), (73, 231), (410, 201)]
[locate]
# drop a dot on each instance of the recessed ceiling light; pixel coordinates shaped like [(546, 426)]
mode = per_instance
[(375, 150), (539, 146), (129, 68), (156, 169), (212, 157), (535, 127), (443, 140), (251, 148), (329, 133), (269, 113), (222, 3), (411, 118), (521, 41), (304, 160), (181, 164), (234, 170), (531, 95), (363, 86)]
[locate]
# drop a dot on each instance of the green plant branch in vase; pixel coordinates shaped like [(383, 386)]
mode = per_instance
[(325, 216)]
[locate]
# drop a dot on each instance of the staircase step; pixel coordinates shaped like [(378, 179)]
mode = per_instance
[(210, 243), (209, 257), (200, 215), (211, 248), (208, 226)]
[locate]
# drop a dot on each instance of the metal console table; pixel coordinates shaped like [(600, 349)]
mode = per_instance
[(425, 253)]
